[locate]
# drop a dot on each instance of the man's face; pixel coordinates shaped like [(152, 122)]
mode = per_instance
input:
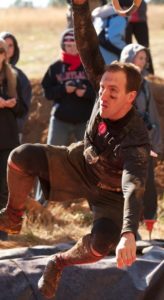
[(115, 101)]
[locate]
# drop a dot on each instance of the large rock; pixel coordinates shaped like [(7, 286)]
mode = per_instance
[(21, 269)]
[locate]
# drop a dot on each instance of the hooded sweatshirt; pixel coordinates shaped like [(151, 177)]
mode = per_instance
[(68, 107), (144, 102)]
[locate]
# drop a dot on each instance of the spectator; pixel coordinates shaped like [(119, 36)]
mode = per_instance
[(26, 90), (65, 83), (145, 104), (137, 27), (11, 107), (110, 28)]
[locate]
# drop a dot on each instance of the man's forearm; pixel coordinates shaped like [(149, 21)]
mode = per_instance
[(132, 213)]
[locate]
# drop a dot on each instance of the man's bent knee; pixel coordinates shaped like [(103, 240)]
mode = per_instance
[(104, 236), (18, 156)]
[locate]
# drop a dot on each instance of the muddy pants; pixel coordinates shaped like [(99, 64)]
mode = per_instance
[(63, 176)]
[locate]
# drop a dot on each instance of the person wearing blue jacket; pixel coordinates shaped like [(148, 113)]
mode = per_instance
[(110, 28)]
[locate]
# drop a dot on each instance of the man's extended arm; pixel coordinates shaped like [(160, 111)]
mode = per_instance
[(133, 182), (87, 42)]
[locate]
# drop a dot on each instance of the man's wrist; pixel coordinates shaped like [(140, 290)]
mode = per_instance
[(128, 234)]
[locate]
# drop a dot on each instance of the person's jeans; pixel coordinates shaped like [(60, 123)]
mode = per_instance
[(60, 133)]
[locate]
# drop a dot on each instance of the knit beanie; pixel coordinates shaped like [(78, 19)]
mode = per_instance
[(67, 37), (3, 45)]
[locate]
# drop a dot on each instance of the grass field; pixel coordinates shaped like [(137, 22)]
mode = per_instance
[(38, 32)]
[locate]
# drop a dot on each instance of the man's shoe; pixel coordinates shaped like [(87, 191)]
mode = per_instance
[(10, 222), (49, 282)]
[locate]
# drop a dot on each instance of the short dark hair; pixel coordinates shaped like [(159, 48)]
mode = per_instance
[(131, 71)]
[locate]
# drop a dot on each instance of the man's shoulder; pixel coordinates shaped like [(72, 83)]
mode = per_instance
[(138, 133)]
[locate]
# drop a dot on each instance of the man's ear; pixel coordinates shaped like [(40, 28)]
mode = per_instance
[(131, 96)]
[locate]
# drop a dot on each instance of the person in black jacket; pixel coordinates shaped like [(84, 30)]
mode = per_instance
[(13, 55), (11, 107), (108, 168), (66, 85)]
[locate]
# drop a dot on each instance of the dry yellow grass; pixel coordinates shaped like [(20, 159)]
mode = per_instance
[(38, 32)]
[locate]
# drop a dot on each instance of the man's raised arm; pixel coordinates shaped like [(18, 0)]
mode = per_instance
[(87, 42)]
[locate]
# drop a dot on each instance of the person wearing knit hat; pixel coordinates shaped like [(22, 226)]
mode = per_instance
[(65, 84), (10, 107), (13, 54), (146, 106)]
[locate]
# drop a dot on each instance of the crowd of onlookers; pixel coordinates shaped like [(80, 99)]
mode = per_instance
[(66, 85)]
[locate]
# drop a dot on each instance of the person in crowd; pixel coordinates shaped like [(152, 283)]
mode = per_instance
[(110, 28), (65, 84), (108, 168), (11, 107), (137, 27), (13, 55), (146, 106)]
